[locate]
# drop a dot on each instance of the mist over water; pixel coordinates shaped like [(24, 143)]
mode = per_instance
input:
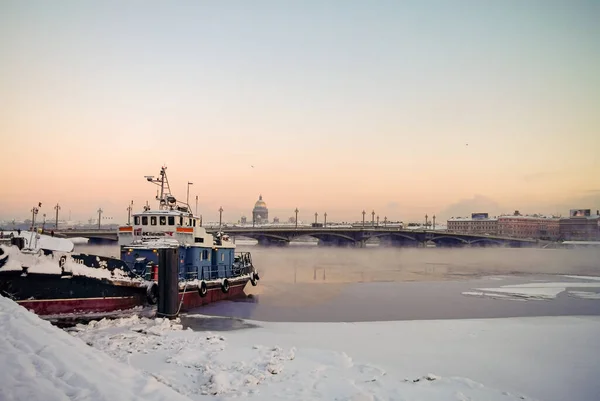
[(318, 265), (309, 283)]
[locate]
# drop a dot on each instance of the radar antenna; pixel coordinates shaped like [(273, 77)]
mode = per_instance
[(166, 200)]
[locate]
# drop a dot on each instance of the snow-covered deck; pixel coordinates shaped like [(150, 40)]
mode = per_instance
[(37, 263)]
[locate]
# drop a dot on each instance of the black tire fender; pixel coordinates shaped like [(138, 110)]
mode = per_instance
[(152, 293), (225, 286), (202, 290), (253, 279)]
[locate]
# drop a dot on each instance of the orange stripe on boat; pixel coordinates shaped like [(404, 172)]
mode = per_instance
[(185, 230), (125, 228)]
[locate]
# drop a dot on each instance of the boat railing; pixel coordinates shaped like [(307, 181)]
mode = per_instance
[(242, 265), (243, 262)]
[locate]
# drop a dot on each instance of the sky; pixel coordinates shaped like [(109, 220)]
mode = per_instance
[(404, 108)]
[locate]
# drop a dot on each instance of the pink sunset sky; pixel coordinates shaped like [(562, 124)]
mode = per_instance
[(404, 108)]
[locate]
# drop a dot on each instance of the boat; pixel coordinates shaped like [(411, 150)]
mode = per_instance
[(209, 268), (52, 281), (62, 283)]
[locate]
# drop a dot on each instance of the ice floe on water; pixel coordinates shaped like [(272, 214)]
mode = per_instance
[(537, 290), (594, 278), (584, 294)]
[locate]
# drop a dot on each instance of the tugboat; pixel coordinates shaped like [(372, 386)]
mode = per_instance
[(209, 269), (52, 282)]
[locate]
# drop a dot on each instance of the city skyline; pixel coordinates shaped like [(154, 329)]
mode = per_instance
[(305, 216), (406, 109)]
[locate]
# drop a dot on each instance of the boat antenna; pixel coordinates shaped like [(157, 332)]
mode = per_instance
[(163, 196)]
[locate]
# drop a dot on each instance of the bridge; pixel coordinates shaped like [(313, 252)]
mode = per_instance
[(340, 236)]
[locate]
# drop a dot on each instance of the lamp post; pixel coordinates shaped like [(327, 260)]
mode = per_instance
[(220, 217), (426, 221), (316, 215), (373, 218), (296, 221), (363, 213), (34, 212), (57, 208), (129, 209), (100, 211), (187, 199), (325, 220), (434, 222), (385, 221)]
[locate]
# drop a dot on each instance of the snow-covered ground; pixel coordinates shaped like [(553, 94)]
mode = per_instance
[(42, 362), (494, 359), (155, 359)]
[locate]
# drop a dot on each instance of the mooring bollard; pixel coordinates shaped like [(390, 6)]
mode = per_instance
[(168, 286)]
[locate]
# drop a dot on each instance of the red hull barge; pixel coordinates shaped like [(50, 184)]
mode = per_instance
[(192, 299), (45, 307)]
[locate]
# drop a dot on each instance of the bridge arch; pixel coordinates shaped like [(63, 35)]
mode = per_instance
[(393, 234), (258, 236), (323, 234), (489, 240), (449, 237)]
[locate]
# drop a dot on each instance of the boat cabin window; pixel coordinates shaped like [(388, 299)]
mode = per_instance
[(199, 240), (205, 255), (171, 220), (180, 220), (144, 220), (136, 220), (152, 220), (222, 257), (163, 220), (194, 222)]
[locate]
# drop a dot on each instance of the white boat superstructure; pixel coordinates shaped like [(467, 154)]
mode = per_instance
[(173, 222)]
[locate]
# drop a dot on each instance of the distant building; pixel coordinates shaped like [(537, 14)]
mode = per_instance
[(478, 223), (243, 220), (260, 213), (536, 227), (275, 220), (581, 225)]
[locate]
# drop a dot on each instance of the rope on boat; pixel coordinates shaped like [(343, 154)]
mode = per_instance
[(180, 304)]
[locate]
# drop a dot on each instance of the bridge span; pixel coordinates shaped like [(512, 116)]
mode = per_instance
[(340, 236)]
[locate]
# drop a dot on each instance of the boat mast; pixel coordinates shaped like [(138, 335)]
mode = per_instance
[(163, 196), (166, 201)]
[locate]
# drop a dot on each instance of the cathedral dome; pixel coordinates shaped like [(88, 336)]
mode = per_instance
[(260, 204), (260, 213)]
